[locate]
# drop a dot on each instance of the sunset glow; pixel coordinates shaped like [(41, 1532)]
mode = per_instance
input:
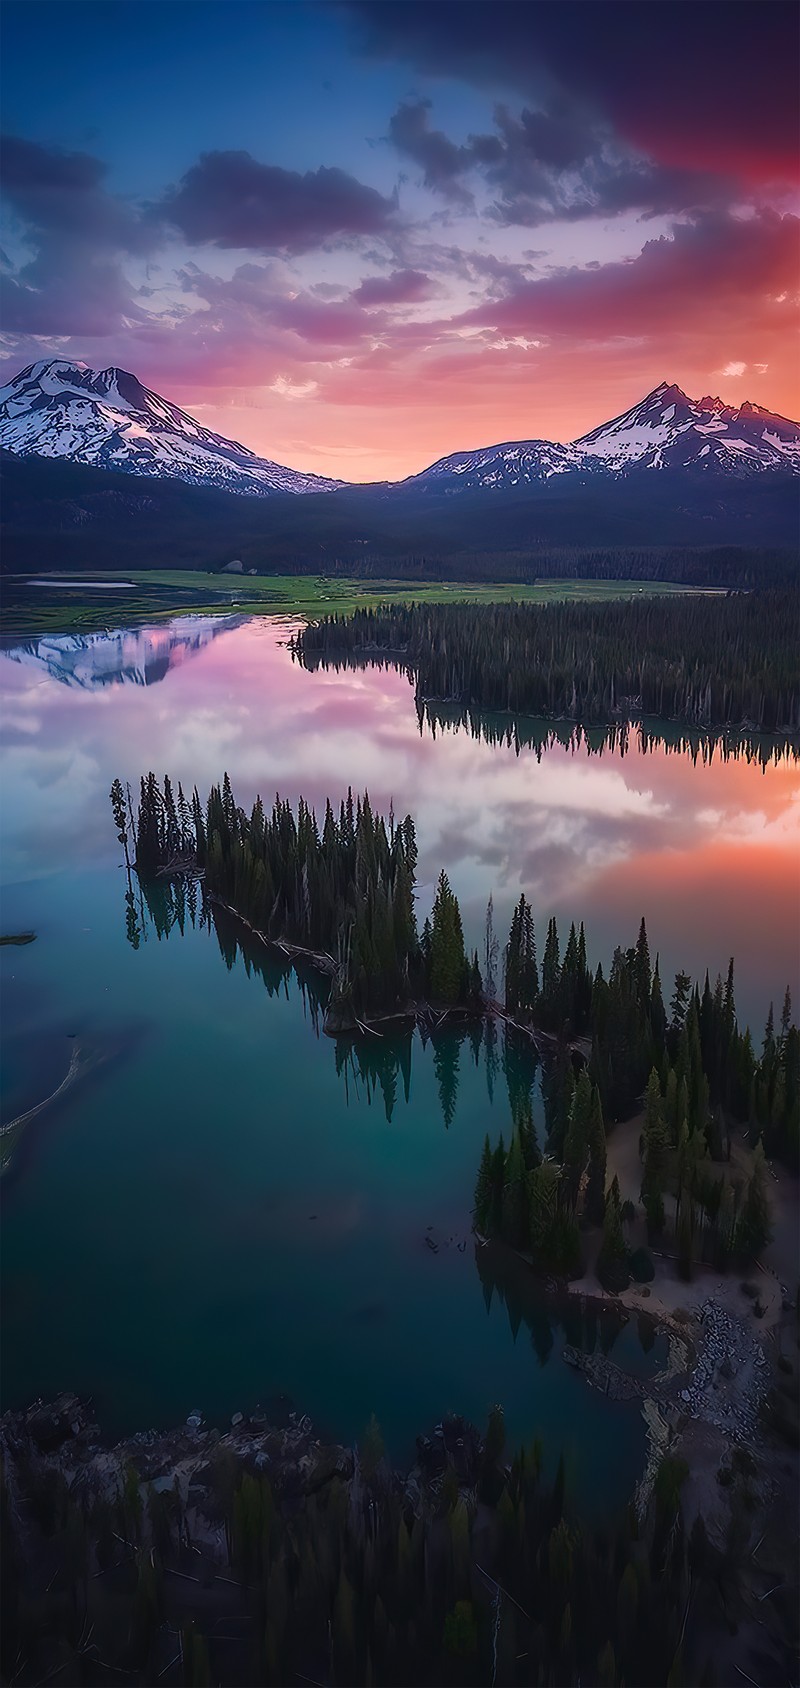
[(356, 238)]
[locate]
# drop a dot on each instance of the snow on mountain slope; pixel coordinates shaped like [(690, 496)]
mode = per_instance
[(670, 431), (517, 463), (108, 419), (666, 431)]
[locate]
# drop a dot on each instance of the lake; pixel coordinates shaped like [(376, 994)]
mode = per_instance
[(228, 1207)]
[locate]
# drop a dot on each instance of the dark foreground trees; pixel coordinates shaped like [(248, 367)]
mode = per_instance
[(267, 1568)]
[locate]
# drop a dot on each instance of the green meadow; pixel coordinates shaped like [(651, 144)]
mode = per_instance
[(90, 602)]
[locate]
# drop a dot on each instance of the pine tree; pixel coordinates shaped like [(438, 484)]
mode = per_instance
[(515, 1196), (754, 1227), (447, 962), (655, 1156), (642, 969), (551, 973), (596, 1186), (576, 1142), (612, 1267)]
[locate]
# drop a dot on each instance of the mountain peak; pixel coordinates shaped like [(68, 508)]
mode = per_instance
[(60, 407), (663, 389), (669, 430)]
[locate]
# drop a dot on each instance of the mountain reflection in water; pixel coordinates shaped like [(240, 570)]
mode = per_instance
[(122, 656)]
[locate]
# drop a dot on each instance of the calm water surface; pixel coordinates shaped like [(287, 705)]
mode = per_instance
[(223, 1211)]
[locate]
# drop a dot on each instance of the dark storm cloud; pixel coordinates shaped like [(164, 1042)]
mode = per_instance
[(442, 163), (229, 199), (713, 85), (74, 282), (544, 166)]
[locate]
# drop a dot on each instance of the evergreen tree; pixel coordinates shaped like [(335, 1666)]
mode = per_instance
[(596, 1186), (447, 962), (655, 1156), (576, 1144), (754, 1228), (483, 1187)]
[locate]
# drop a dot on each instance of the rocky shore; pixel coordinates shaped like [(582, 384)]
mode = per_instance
[(62, 1437), (725, 1386)]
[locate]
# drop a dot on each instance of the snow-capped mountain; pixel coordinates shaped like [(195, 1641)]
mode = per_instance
[(108, 419), (670, 431), (517, 463), (63, 410), (666, 431)]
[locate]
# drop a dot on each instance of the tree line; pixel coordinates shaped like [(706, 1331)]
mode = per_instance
[(343, 891), (702, 660)]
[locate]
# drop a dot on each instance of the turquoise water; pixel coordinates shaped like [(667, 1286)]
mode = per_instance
[(221, 1212)]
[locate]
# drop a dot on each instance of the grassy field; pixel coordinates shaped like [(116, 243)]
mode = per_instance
[(80, 604)]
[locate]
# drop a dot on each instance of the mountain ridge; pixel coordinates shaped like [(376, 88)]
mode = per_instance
[(108, 419), (666, 430)]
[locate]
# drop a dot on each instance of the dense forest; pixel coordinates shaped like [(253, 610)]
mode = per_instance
[(697, 1076), (701, 660), (290, 1562), (59, 515), (327, 1566)]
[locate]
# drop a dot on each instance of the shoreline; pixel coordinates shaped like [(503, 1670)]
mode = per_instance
[(346, 656)]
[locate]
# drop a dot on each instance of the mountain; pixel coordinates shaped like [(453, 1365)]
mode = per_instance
[(96, 472), (667, 431), (670, 431), (108, 419), (517, 463)]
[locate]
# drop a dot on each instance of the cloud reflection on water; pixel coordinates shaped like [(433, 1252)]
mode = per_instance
[(707, 851)]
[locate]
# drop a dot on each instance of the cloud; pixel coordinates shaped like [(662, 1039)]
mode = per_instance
[(255, 302), (62, 193), (442, 162), (229, 199), (402, 287), (705, 275), (549, 165), (74, 283), (735, 369), (287, 389), (711, 87)]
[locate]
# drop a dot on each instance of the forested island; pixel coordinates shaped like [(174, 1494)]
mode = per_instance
[(702, 661), (341, 897)]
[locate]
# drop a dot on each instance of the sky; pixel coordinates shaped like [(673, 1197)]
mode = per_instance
[(358, 235)]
